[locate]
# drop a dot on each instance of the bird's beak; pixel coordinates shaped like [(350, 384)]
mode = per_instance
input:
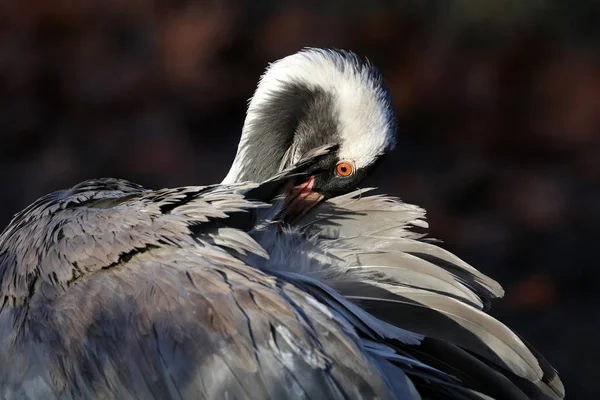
[(299, 200)]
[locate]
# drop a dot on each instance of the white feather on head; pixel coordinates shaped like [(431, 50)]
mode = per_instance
[(367, 125)]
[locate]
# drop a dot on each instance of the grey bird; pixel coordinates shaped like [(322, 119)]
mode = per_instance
[(282, 282)]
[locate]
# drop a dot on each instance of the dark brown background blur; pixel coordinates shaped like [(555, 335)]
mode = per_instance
[(498, 103)]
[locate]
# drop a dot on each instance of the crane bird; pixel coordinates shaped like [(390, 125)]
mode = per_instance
[(284, 281)]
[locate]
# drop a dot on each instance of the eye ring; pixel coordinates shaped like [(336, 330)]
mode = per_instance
[(344, 168)]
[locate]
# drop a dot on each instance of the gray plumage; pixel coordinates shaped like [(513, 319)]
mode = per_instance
[(111, 290)]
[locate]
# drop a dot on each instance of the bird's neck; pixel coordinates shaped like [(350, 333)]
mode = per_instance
[(260, 153), (270, 135)]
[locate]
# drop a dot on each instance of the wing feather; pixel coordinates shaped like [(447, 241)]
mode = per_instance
[(366, 248)]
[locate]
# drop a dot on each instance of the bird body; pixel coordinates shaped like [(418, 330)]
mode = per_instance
[(295, 286), (145, 294)]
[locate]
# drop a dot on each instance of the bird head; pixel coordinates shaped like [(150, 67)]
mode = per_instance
[(308, 100)]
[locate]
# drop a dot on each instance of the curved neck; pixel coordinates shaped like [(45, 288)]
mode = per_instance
[(276, 132)]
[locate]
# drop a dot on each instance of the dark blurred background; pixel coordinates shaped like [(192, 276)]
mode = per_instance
[(498, 103)]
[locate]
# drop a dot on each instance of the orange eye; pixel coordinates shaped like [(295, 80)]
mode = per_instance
[(344, 168)]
